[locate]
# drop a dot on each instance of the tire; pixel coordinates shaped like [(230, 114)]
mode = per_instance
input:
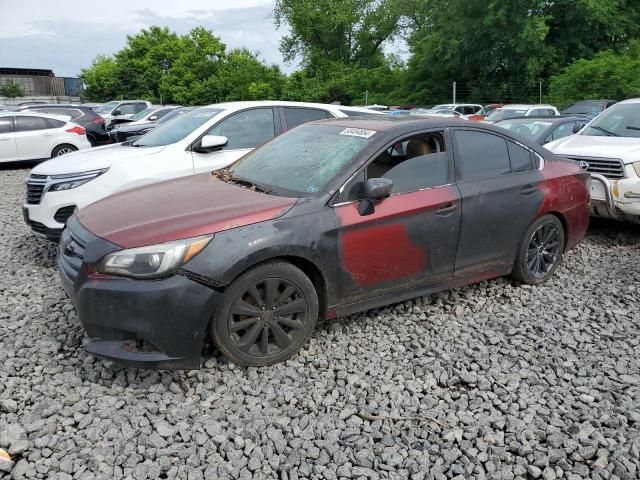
[(62, 150), (246, 327), (540, 252)]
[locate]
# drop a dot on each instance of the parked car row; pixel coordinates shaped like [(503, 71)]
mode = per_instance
[(248, 221)]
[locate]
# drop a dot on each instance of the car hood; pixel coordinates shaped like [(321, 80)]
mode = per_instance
[(625, 148), (176, 209), (92, 159)]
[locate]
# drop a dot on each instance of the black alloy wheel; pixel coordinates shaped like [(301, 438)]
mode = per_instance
[(544, 247), (266, 318), (267, 315), (540, 251)]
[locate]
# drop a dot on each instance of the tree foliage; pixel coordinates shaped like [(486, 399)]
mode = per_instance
[(11, 89), (495, 50), (608, 75), (196, 68), (499, 50)]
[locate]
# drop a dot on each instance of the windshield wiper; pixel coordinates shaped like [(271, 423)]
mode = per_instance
[(633, 128), (608, 132)]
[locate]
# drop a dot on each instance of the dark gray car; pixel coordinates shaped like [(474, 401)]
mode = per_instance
[(542, 130)]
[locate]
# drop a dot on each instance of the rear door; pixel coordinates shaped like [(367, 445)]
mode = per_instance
[(411, 238), (245, 131), (499, 183), (35, 137), (8, 149), (294, 116)]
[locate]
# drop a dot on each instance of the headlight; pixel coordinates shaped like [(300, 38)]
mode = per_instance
[(636, 167), (74, 180), (154, 260)]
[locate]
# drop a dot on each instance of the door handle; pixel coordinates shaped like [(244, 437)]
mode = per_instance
[(446, 209), (4, 139), (529, 189), (47, 134)]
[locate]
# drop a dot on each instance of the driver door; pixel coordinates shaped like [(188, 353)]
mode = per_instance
[(411, 238), (245, 131)]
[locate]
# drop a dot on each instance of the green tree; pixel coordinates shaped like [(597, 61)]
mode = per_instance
[(101, 82), (607, 75), (499, 50), (345, 31), (195, 68), (11, 89)]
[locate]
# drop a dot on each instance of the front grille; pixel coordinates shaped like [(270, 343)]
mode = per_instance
[(607, 167), (63, 214), (35, 189), (71, 253)]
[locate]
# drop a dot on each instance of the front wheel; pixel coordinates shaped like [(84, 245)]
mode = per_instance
[(540, 252), (267, 314), (62, 150)]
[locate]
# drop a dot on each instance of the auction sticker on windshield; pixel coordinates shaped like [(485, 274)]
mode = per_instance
[(358, 132)]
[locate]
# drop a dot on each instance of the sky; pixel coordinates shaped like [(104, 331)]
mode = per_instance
[(66, 36)]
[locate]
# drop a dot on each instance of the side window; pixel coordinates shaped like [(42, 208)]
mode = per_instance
[(128, 109), (5, 125), (298, 116), (413, 164), (161, 113), (247, 129), (480, 155), (139, 107), (563, 130), (520, 158), (75, 113), (31, 124)]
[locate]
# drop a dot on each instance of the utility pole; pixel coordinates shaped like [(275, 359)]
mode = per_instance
[(454, 92), (541, 92), (366, 98)]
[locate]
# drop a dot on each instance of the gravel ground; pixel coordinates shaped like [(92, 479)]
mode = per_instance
[(495, 381)]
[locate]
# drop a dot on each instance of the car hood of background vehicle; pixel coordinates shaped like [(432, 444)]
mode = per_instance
[(127, 127), (625, 148), (92, 159), (176, 209)]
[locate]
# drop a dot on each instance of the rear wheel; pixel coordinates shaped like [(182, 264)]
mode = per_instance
[(267, 314), (63, 150), (540, 252)]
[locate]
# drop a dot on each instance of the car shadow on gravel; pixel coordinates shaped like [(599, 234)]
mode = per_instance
[(17, 165), (34, 250), (605, 231)]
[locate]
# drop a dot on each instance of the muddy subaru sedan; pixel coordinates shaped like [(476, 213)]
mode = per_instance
[(331, 218)]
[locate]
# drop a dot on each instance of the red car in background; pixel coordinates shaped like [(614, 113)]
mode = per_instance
[(485, 112)]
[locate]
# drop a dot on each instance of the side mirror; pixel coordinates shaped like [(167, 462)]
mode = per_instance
[(577, 127), (374, 189), (153, 117), (116, 112), (211, 143)]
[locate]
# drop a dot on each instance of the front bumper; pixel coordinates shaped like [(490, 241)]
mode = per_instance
[(615, 199), (45, 216), (159, 324)]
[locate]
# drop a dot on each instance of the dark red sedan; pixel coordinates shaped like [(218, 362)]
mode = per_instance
[(331, 218)]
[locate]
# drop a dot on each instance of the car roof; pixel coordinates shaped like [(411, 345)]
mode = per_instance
[(554, 118), (281, 103), (400, 122), (54, 105), (524, 106), (27, 113), (631, 100)]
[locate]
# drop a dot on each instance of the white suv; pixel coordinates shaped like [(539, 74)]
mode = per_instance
[(37, 136), (186, 145), (609, 149), (117, 111), (513, 111)]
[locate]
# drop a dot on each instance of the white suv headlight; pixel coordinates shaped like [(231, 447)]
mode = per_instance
[(73, 180), (154, 260)]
